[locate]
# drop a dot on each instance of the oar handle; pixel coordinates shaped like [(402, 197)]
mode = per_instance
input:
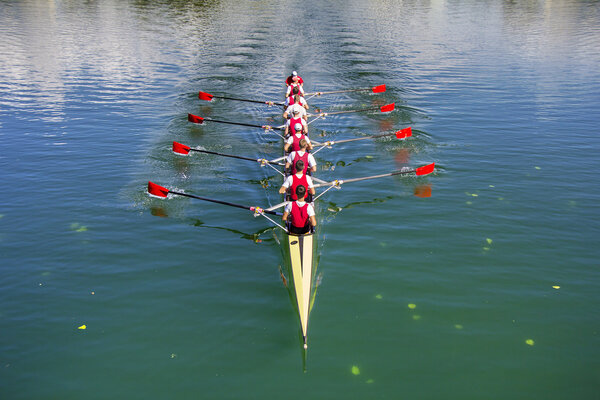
[(226, 203)]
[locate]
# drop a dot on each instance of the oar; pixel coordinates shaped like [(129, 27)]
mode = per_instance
[(374, 89), (179, 148), (401, 134), (200, 120), (209, 97), (424, 170), (386, 108), (162, 192)]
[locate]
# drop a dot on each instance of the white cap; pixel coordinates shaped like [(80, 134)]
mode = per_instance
[(298, 126), (294, 73)]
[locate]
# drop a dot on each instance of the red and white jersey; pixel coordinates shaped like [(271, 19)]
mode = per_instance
[(291, 123), (289, 92), (290, 80), (300, 212), (309, 160), (294, 141), (289, 101), (292, 182), (301, 110)]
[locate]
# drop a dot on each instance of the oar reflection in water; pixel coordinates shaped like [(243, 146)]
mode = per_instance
[(254, 237)]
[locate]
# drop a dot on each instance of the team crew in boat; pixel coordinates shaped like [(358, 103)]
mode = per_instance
[(295, 98), (301, 213), (296, 179), (290, 124), (308, 160), (293, 141)]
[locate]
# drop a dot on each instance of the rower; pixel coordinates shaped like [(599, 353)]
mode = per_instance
[(308, 160), (302, 214), (290, 124), (290, 110), (295, 97), (294, 80), (297, 178), (293, 141)]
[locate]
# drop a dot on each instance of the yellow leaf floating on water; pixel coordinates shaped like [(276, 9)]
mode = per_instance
[(82, 327), (538, 168), (486, 249), (370, 381), (378, 297), (489, 240), (492, 186), (458, 326), (469, 203), (412, 306), (475, 195), (556, 287), (355, 370), (416, 317), (530, 342)]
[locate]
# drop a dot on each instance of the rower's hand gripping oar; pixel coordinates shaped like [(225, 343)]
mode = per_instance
[(182, 149), (162, 193), (374, 89), (401, 134), (200, 120), (424, 170), (209, 97)]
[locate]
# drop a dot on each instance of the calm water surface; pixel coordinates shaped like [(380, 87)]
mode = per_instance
[(487, 289)]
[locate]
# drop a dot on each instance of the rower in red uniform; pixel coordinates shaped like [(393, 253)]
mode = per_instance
[(308, 160), (293, 141), (294, 80), (296, 179), (301, 213), (295, 98), (291, 123)]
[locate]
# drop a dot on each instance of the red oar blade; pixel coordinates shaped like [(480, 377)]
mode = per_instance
[(195, 119), (182, 149), (404, 133), (388, 107), (205, 96), (426, 169), (157, 190), (378, 89)]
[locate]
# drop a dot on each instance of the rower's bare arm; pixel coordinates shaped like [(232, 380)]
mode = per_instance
[(285, 216), (282, 190), (313, 220), (313, 168), (311, 191), (286, 147)]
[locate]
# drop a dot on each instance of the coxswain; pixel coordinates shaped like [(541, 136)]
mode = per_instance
[(297, 178), (294, 80), (293, 141), (294, 98), (291, 123), (301, 213), (308, 160)]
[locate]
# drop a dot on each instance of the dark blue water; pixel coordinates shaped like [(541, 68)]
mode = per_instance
[(486, 289)]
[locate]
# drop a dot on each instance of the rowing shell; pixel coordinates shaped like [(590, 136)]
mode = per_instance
[(300, 251)]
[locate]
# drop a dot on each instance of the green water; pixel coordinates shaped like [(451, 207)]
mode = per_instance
[(488, 289)]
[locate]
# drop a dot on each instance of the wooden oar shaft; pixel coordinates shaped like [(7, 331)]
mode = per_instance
[(222, 202)]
